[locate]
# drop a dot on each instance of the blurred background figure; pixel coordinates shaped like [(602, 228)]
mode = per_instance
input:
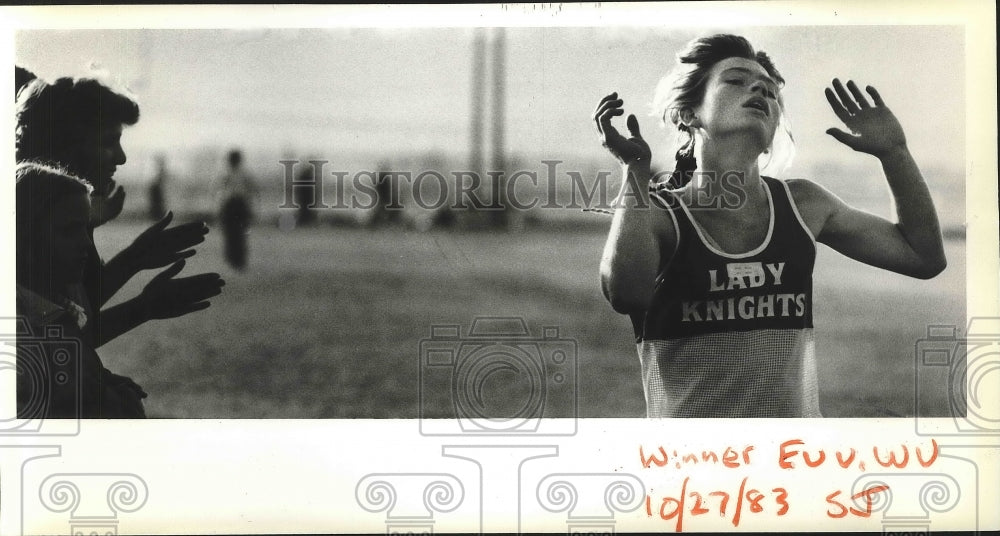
[(237, 190), (437, 214), (157, 189), (304, 196), (387, 209)]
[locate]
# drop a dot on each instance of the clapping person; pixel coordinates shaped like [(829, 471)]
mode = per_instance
[(53, 243), (78, 124)]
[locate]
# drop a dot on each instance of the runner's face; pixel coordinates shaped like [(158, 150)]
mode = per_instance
[(740, 97)]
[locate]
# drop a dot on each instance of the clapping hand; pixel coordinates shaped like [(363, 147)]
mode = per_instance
[(626, 150), (158, 246), (167, 296), (874, 128)]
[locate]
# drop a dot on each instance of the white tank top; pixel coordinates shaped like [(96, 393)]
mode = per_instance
[(730, 335)]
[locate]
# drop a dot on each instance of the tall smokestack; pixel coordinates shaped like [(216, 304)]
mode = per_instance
[(498, 162), (476, 102)]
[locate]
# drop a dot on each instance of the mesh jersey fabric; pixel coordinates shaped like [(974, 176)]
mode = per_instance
[(730, 334)]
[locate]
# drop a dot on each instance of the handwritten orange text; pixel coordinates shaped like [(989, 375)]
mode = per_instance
[(729, 457), (842, 511), (721, 502), (788, 455)]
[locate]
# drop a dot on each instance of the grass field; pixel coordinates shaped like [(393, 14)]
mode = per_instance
[(327, 322)]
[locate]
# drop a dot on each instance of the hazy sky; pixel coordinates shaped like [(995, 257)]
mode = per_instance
[(405, 90)]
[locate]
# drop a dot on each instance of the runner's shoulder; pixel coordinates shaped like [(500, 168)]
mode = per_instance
[(811, 198)]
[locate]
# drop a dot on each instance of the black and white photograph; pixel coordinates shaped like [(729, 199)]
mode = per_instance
[(485, 230), (288, 214)]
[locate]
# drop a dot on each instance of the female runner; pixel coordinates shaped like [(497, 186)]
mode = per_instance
[(716, 273)]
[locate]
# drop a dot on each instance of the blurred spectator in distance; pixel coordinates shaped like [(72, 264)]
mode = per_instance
[(388, 210), (157, 189), (304, 196), (237, 190)]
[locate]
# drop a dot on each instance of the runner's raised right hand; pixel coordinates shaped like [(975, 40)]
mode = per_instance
[(626, 150)]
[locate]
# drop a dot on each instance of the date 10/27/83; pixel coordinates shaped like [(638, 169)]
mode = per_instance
[(752, 499)]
